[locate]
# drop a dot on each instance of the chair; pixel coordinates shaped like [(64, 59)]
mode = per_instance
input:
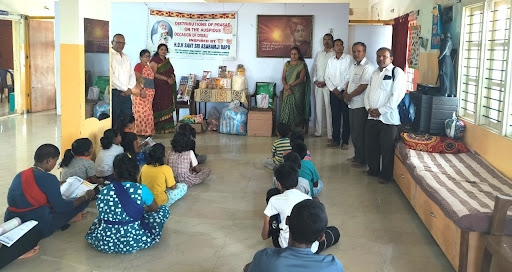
[(498, 247), (7, 81), (274, 106), (190, 105)]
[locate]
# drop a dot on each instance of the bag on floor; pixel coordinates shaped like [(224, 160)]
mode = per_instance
[(233, 120)]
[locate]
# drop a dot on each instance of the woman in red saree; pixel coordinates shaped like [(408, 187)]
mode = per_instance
[(143, 102), (165, 90)]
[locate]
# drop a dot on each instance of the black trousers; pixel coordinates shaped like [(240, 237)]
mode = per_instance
[(358, 119), (338, 109), (20, 247), (121, 105), (380, 142), (332, 234)]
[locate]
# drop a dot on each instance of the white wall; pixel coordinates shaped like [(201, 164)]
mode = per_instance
[(374, 36), (131, 20)]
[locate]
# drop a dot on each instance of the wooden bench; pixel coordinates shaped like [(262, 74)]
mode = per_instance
[(464, 249)]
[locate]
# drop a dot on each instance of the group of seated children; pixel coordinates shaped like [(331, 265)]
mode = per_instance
[(134, 204), (296, 238), (283, 150)]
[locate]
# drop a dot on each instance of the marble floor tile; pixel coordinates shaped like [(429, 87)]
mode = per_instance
[(216, 226)]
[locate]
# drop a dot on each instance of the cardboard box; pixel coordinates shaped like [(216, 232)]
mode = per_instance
[(259, 123), (200, 127)]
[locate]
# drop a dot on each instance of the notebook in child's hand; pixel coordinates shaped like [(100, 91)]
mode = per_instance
[(150, 142), (13, 235), (75, 187)]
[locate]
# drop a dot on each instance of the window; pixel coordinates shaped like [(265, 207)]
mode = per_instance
[(470, 66), (484, 66)]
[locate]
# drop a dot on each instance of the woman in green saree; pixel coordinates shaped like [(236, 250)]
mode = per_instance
[(296, 103)]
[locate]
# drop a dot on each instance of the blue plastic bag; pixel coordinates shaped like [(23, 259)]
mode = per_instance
[(233, 120), (101, 107)]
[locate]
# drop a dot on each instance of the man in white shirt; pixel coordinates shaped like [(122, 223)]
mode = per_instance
[(336, 80), (322, 93), (385, 91), (359, 78), (123, 80)]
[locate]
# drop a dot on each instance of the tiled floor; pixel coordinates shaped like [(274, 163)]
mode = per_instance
[(216, 226)]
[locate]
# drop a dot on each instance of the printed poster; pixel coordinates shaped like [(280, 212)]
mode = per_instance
[(193, 35)]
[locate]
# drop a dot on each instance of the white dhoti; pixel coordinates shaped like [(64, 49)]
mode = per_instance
[(323, 105)]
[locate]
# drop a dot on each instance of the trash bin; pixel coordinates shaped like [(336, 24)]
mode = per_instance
[(12, 102)]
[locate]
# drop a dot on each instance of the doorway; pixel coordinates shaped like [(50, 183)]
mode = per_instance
[(6, 67), (42, 65)]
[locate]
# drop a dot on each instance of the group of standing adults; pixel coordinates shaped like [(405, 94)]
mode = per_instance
[(350, 88), (148, 91)]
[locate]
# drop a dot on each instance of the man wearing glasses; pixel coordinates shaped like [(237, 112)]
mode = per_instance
[(123, 80)]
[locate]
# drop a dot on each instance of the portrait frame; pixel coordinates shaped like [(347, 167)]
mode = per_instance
[(96, 39), (274, 36)]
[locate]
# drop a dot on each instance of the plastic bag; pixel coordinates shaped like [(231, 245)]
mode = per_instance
[(262, 101), (454, 127), (233, 120), (268, 89), (213, 119), (93, 93), (101, 107)]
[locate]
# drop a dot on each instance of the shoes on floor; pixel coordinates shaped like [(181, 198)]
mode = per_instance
[(358, 165), (332, 144), (344, 147)]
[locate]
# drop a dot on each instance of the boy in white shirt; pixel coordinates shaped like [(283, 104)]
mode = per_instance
[(280, 202)]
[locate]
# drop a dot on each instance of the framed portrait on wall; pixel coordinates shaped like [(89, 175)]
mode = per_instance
[(277, 34), (96, 36)]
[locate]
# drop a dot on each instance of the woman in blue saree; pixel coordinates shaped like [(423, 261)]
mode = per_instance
[(129, 218)]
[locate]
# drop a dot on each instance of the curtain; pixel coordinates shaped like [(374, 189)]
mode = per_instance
[(399, 40)]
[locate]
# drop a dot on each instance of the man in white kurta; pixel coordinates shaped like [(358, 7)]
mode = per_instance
[(385, 91), (359, 78), (123, 80), (336, 80), (322, 93)]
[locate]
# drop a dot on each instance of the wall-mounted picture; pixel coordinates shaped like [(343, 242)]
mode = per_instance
[(277, 34), (96, 36)]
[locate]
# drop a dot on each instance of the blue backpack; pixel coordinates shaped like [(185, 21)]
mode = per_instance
[(406, 108)]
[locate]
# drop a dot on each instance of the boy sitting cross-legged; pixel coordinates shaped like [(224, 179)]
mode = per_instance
[(280, 202), (307, 224), (307, 169), (279, 146)]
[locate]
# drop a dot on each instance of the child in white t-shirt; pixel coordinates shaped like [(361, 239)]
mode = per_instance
[(280, 202), (105, 159)]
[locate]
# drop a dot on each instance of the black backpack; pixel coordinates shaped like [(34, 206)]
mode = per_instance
[(406, 108)]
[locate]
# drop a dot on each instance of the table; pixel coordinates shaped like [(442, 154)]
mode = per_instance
[(219, 96)]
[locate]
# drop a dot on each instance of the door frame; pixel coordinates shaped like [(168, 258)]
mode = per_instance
[(19, 60), (28, 82)]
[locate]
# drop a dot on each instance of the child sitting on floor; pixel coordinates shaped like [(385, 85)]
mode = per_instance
[(104, 164), (159, 178), (280, 202), (76, 162), (307, 225), (280, 146), (191, 131), (307, 169), (183, 161), (130, 142), (293, 158), (297, 136)]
